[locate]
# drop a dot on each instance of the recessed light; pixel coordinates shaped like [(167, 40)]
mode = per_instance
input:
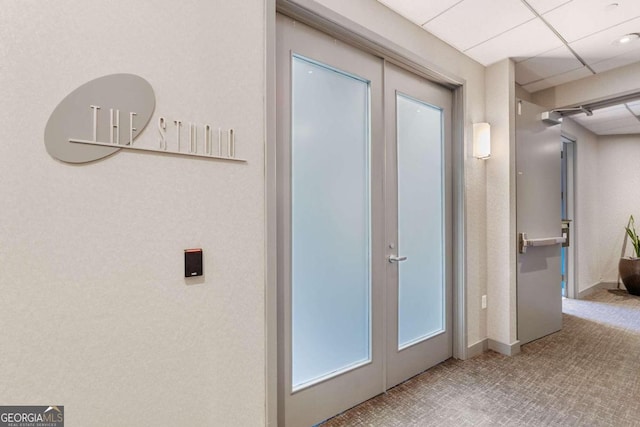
[(627, 38)]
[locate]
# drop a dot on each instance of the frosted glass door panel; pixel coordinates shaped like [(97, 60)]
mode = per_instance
[(331, 280), (420, 221)]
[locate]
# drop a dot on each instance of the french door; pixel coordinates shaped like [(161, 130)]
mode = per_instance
[(364, 282), (418, 215)]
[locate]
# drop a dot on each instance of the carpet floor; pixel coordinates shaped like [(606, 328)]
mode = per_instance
[(588, 374)]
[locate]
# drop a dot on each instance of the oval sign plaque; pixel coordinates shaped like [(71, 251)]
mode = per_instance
[(100, 110)]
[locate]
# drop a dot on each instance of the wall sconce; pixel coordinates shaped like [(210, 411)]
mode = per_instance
[(481, 140)]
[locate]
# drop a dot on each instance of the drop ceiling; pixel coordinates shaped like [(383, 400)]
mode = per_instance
[(621, 119), (551, 41)]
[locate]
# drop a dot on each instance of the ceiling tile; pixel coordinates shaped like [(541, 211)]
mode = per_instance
[(607, 115), (617, 61), (556, 61), (604, 115), (544, 6), (580, 18), (474, 21), (624, 121), (614, 125), (607, 111), (419, 11), (614, 120), (516, 43), (558, 79), (627, 130), (600, 46), (635, 107)]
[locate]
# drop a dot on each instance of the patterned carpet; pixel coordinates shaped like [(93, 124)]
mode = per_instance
[(588, 374)]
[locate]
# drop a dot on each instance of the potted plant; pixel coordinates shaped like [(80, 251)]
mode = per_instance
[(629, 267)]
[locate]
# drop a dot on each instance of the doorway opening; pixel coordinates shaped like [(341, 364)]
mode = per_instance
[(607, 131)]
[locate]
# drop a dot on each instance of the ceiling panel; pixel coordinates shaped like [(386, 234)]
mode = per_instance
[(613, 120), (515, 43), (474, 21), (543, 6), (419, 11), (618, 61), (605, 114), (558, 79), (600, 112), (580, 18), (553, 62), (492, 30), (635, 107), (613, 125), (600, 46), (627, 130)]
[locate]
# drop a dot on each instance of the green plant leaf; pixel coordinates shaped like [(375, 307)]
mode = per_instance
[(633, 235)]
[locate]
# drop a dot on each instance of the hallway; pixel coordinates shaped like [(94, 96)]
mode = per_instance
[(585, 375)]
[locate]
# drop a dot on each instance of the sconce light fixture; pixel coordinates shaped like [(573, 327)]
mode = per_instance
[(481, 140)]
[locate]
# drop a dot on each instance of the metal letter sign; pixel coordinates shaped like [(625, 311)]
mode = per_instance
[(107, 114)]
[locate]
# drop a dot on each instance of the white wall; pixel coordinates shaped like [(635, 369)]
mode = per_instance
[(95, 312), (587, 200), (619, 197), (378, 18)]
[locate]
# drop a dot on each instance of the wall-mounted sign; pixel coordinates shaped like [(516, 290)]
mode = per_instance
[(107, 114)]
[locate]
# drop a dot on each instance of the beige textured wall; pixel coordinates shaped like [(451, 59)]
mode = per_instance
[(501, 202), (616, 82), (95, 312), (619, 197), (522, 94), (378, 18)]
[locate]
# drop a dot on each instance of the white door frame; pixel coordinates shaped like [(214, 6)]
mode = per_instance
[(572, 259), (320, 17)]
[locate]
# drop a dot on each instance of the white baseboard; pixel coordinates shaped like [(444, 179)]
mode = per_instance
[(477, 348), (597, 286), (512, 349), (506, 349)]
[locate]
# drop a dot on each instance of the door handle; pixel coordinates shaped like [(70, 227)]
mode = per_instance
[(525, 243), (394, 258)]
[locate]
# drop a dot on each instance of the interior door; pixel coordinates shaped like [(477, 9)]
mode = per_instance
[(419, 216), (539, 223), (331, 260), (364, 220)]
